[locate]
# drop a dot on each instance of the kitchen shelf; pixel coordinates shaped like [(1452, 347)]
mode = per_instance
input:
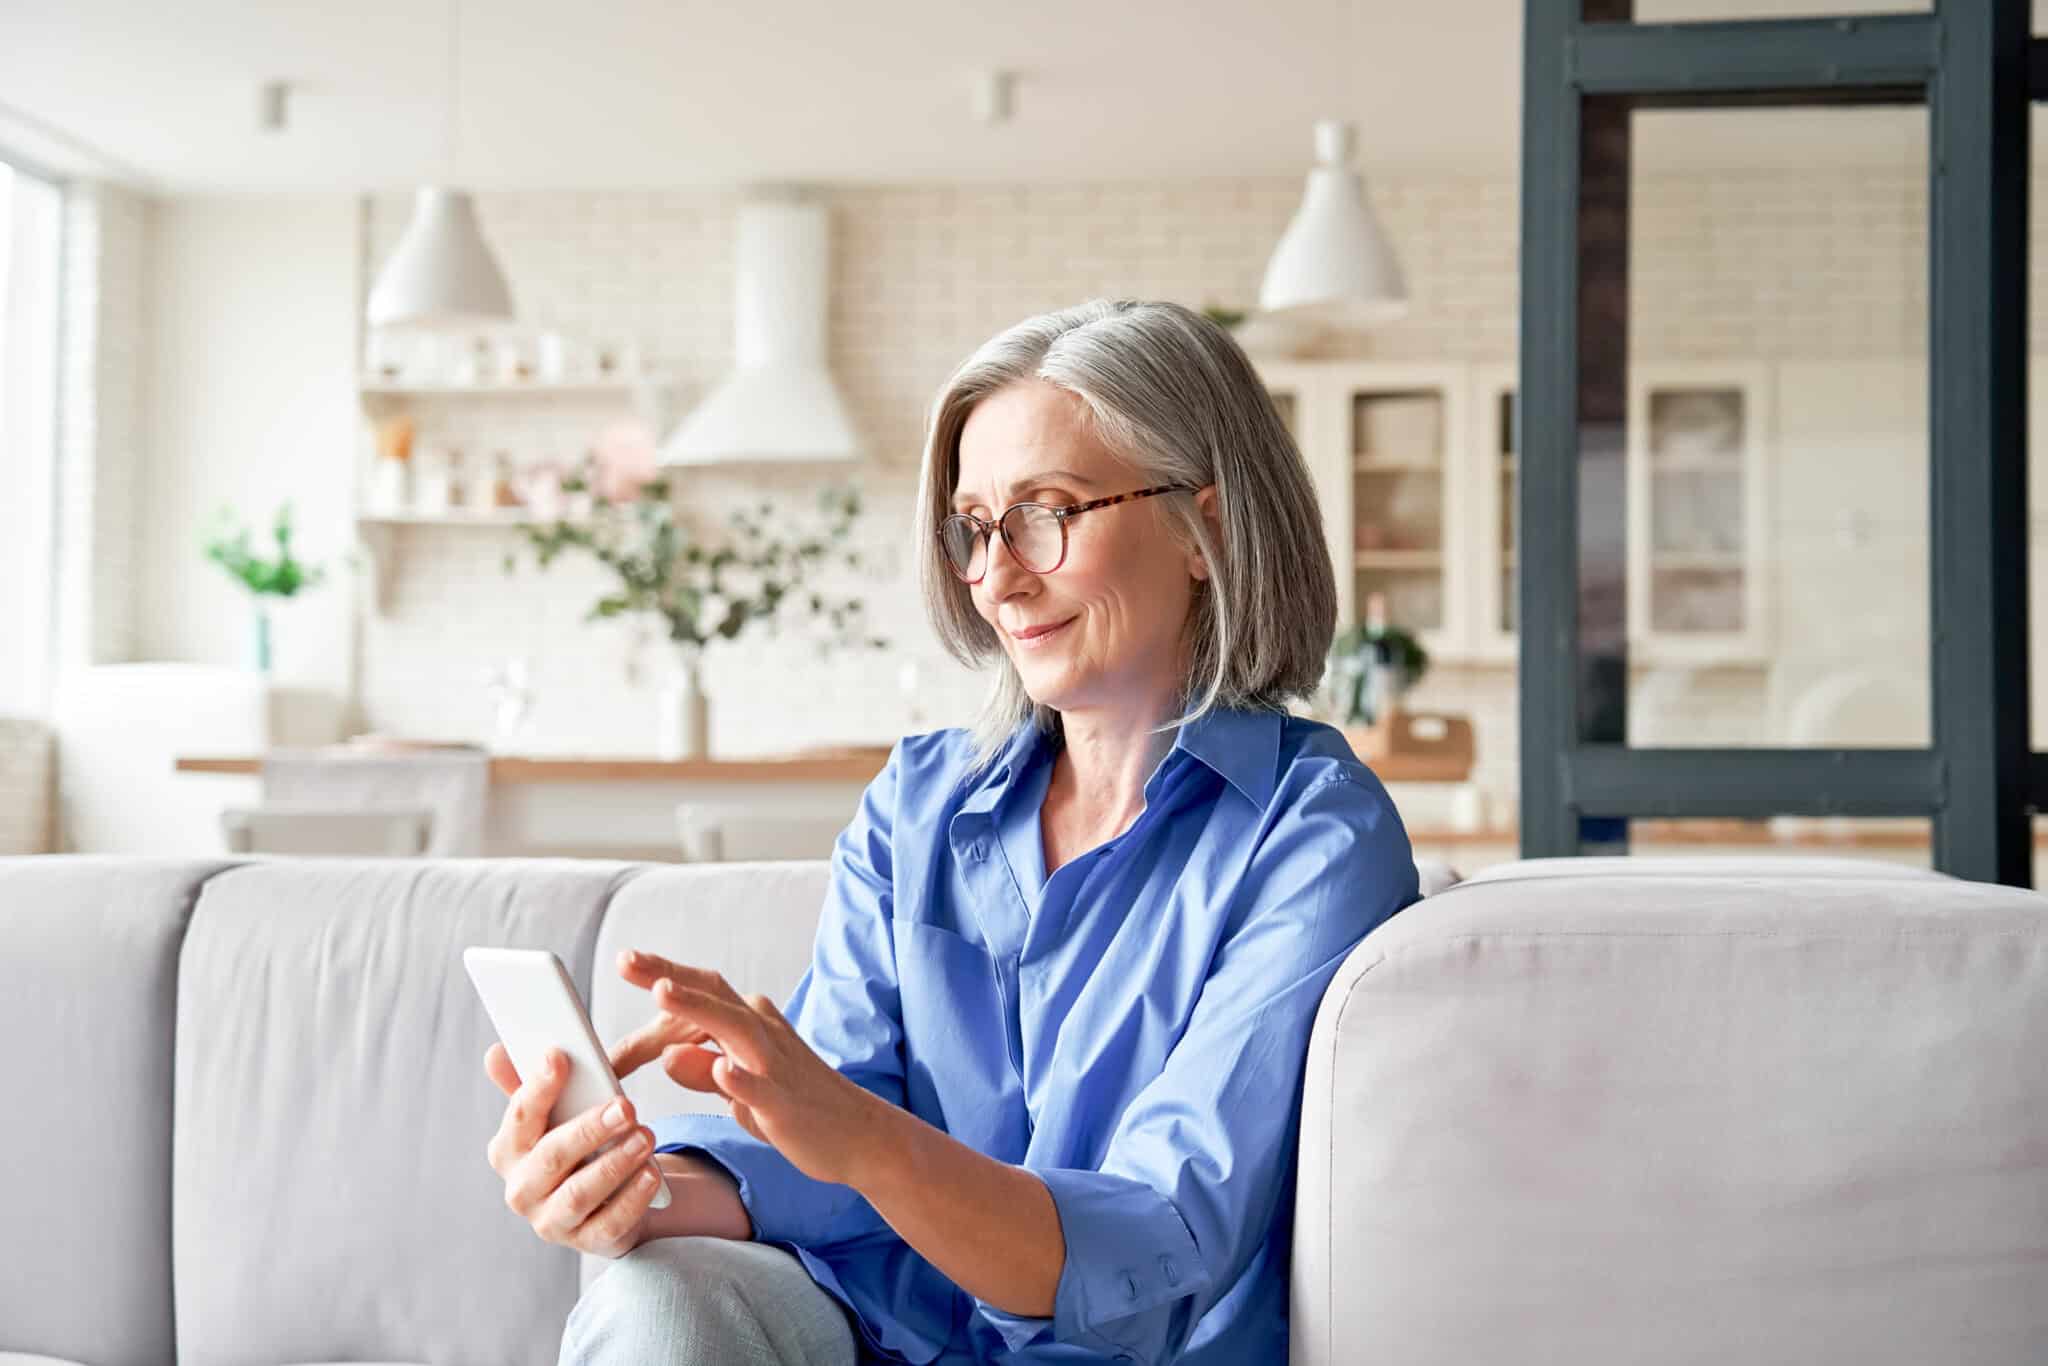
[(499, 517), (622, 385), (1397, 559), (1366, 464)]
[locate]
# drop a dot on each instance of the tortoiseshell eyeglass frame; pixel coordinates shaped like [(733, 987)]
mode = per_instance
[(1062, 515)]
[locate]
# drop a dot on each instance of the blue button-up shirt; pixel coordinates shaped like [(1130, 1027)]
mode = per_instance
[(1132, 1030)]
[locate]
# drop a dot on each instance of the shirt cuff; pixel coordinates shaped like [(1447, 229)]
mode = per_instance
[(1128, 1251), (782, 1203)]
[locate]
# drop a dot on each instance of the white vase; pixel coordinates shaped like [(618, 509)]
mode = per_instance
[(685, 712)]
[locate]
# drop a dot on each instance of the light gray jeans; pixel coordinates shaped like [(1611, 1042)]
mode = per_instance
[(700, 1301)]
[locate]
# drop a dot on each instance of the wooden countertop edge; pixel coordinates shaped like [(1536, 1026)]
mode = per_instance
[(512, 768)]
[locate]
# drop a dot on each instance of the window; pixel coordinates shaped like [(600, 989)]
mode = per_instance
[(30, 242)]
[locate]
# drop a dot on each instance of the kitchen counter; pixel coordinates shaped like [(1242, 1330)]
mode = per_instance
[(855, 764), (606, 806)]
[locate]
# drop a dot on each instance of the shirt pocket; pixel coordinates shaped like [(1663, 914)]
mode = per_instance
[(958, 1072)]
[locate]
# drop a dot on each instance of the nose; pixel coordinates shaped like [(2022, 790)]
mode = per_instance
[(1003, 577)]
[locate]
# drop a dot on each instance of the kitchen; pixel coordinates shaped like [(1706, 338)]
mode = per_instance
[(234, 241)]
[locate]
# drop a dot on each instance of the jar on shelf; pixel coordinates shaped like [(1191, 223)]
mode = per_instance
[(433, 489), (504, 493), (461, 488)]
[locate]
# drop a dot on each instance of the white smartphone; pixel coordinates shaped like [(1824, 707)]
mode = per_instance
[(534, 1007)]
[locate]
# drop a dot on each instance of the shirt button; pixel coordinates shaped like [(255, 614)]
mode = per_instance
[(1168, 1270), (977, 850), (1131, 1286)]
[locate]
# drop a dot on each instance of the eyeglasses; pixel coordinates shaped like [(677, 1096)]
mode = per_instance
[(1035, 532)]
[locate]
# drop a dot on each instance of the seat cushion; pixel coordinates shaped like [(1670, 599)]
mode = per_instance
[(332, 1199), (88, 988), (1649, 1117)]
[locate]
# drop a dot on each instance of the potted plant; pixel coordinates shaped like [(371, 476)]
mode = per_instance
[(1371, 667), (266, 578), (697, 593)]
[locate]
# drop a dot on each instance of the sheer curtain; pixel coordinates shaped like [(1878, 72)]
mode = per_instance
[(30, 252)]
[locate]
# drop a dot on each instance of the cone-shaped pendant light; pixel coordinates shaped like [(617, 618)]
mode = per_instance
[(442, 273), (1334, 263)]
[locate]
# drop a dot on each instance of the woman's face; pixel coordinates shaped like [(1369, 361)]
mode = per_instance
[(1119, 601)]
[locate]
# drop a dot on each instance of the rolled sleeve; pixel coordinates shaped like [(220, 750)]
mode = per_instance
[(782, 1203), (1128, 1251)]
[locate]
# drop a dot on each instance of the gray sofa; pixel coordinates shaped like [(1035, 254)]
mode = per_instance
[(1595, 1111)]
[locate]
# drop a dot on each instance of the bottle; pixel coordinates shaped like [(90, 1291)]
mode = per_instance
[(1380, 681)]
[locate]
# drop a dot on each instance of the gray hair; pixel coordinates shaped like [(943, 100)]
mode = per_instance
[(1173, 396)]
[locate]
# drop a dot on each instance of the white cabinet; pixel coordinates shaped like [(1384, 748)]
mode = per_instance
[(1698, 523), (1416, 468), (1386, 445)]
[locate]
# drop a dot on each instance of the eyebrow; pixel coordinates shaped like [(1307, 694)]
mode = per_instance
[(1042, 479)]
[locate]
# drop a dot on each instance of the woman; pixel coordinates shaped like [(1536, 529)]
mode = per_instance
[(1036, 1098)]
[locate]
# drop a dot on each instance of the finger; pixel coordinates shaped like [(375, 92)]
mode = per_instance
[(611, 1222), (691, 1067), (745, 1115), (736, 1082), (526, 1116), (562, 1150), (635, 1050), (498, 1067), (589, 1186), (644, 969), (735, 1026)]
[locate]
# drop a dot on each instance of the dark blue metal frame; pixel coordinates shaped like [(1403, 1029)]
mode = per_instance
[(1973, 63)]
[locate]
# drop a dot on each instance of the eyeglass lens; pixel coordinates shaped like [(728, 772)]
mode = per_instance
[(1033, 534)]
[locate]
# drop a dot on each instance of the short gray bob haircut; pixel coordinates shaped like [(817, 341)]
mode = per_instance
[(1172, 394)]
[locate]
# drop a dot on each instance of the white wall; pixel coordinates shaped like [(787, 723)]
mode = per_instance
[(250, 401)]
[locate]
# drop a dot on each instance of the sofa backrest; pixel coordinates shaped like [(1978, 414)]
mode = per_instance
[(1665, 1112), (88, 996), (331, 1197)]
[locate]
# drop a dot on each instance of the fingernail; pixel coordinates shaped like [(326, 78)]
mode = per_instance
[(637, 1144), (615, 1113)]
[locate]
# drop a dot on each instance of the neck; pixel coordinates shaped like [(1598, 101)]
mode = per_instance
[(1106, 755)]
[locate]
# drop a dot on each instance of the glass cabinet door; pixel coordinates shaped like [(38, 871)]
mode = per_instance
[(1695, 490), (1400, 446)]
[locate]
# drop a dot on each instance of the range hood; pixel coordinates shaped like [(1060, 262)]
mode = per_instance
[(779, 403)]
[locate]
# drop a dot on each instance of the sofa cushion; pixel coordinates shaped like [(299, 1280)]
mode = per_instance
[(1705, 1118), (88, 988), (333, 1202)]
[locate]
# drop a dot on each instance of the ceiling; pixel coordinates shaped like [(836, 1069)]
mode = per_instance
[(673, 93)]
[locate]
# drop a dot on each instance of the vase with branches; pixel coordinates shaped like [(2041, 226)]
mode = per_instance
[(696, 592)]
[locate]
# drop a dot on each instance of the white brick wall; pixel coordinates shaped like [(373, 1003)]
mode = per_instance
[(1765, 264)]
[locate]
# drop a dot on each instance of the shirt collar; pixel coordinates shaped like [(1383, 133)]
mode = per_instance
[(1242, 747), (1011, 759)]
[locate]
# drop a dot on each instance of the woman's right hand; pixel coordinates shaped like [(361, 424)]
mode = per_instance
[(600, 1209)]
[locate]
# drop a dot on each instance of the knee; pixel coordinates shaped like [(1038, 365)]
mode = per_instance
[(658, 1304)]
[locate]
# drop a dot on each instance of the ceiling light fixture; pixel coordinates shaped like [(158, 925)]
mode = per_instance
[(1334, 263), (442, 274)]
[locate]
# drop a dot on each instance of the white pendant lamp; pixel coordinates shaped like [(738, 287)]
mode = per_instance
[(1334, 263), (442, 274)]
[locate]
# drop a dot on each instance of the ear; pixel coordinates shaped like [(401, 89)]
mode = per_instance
[(1205, 503)]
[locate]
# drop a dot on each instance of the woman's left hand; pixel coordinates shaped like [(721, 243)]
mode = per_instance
[(780, 1090)]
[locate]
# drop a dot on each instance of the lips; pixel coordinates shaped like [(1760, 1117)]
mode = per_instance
[(1033, 633)]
